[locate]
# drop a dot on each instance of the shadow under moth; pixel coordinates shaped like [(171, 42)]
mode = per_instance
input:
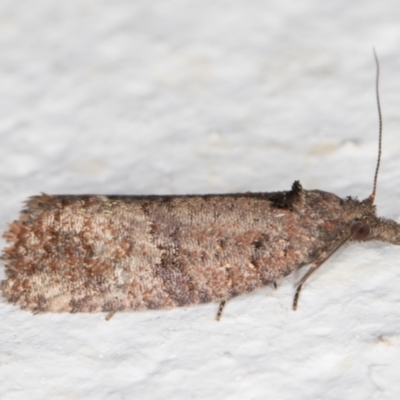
[(92, 253)]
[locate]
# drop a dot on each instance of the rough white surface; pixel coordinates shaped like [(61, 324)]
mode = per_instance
[(175, 96)]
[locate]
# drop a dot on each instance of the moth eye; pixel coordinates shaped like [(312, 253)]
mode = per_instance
[(360, 230)]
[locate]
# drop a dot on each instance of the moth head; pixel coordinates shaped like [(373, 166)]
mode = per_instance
[(361, 219), (371, 227), (360, 229)]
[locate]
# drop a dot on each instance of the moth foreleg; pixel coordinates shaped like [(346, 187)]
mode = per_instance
[(320, 259)]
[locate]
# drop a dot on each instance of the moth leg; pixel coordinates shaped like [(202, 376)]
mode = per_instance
[(301, 283), (275, 285), (321, 258), (220, 309), (110, 315)]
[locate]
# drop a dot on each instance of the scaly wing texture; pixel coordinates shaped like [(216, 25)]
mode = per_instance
[(112, 253)]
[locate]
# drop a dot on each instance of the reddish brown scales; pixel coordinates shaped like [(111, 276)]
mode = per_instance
[(114, 253)]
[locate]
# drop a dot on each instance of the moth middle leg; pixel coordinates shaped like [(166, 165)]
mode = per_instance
[(220, 309)]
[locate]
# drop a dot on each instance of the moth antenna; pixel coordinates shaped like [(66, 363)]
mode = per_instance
[(378, 163)]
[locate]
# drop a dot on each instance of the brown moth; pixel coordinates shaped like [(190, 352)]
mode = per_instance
[(95, 253)]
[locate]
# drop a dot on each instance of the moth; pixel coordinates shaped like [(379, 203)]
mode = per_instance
[(93, 253)]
